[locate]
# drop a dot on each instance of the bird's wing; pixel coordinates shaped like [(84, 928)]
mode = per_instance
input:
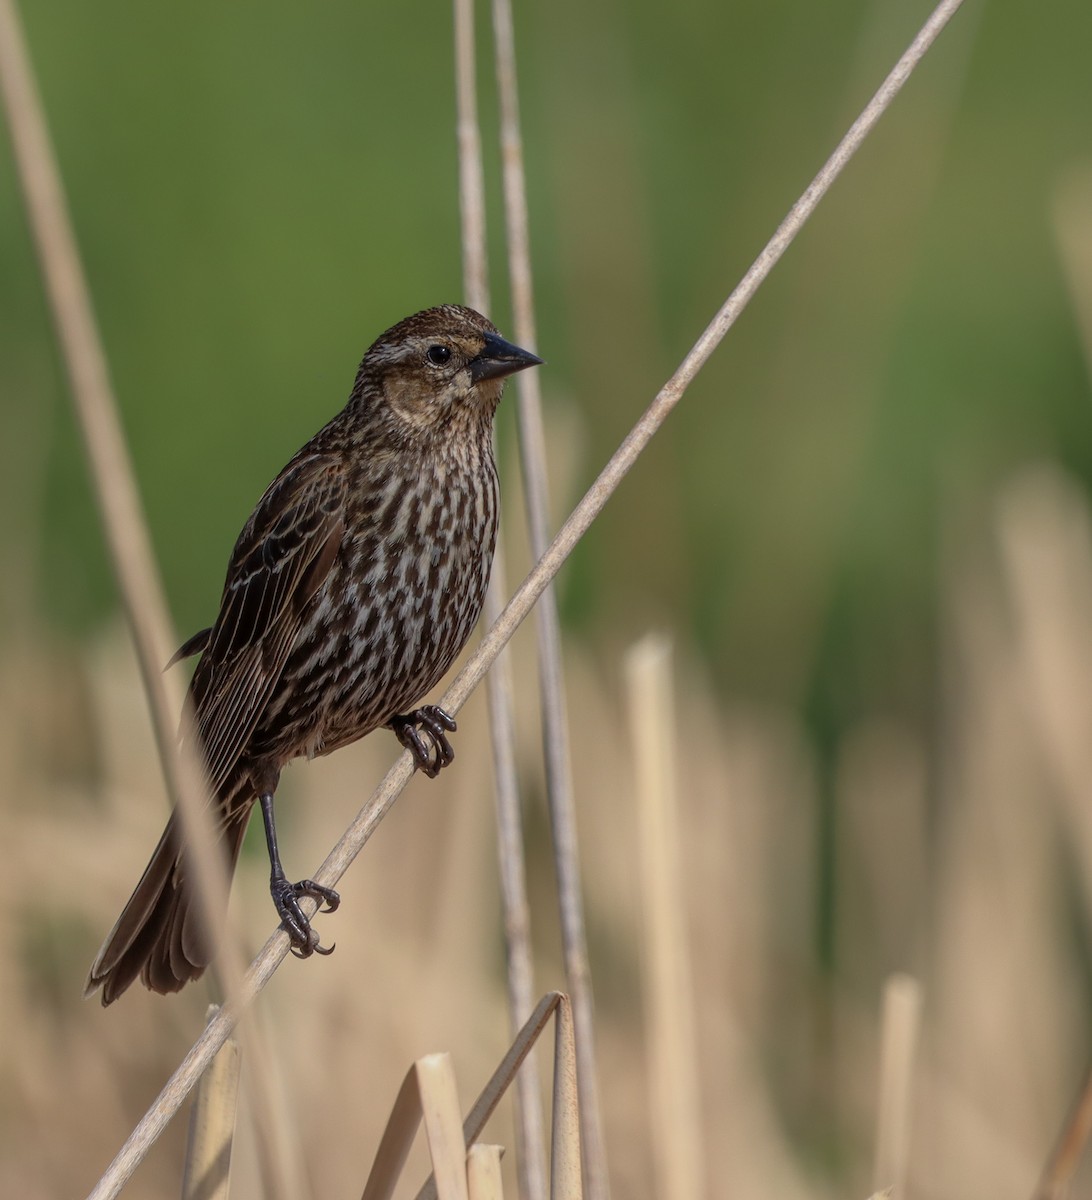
[(280, 561)]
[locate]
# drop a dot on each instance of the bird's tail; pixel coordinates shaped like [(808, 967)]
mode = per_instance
[(160, 934)]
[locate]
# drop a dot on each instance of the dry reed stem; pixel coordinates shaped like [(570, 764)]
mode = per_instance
[(900, 1027), (207, 1172), (566, 1104), (524, 598), (429, 1076), (483, 1172), (531, 1155), (443, 1121), (555, 722), (428, 1093), (114, 487), (671, 1040)]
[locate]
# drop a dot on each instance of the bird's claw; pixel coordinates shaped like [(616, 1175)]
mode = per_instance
[(286, 898), (438, 753)]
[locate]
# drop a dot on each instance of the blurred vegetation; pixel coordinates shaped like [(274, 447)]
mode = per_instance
[(259, 190)]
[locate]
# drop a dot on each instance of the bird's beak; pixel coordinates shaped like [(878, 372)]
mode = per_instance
[(499, 358)]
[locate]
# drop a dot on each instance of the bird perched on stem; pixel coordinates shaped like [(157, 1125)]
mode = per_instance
[(352, 587)]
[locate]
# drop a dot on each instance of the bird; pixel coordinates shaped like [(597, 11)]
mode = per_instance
[(352, 587)]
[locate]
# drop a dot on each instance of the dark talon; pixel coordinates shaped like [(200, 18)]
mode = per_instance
[(312, 947), (432, 720), (286, 898)]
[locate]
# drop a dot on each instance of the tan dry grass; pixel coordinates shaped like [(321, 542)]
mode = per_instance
[(953, 856)]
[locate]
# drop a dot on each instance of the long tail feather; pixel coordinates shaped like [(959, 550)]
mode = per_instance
[(160, 936)]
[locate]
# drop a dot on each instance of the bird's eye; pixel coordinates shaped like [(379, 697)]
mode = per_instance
[(437, 355)]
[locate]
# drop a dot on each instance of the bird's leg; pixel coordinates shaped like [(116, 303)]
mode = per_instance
[(437, 724), (286, 896)]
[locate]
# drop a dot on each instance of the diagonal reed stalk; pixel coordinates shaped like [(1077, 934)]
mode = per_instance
[(521, 603), (530, 1144)]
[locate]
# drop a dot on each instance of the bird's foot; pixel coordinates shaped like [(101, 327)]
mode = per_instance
[(433, 756), (286, 897)]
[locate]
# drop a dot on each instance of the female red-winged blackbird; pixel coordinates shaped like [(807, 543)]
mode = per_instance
[(352, 587)]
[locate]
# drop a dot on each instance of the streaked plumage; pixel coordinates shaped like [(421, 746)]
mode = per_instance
[(351, 589)]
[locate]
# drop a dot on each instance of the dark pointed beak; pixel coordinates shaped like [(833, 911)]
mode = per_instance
[(499, 358)]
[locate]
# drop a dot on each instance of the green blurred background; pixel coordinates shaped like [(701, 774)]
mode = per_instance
[(259, 190)]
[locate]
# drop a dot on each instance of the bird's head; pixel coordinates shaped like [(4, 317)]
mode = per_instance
[(440, 366)]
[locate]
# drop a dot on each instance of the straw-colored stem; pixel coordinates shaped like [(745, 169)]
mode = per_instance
[(509, 1068), (900, 1026), (555, 723), (521, 603), (483, 1172), (674, 1087)]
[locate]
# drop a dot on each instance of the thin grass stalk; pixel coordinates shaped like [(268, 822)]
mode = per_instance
[(900, 1028), (114, 487), (555, 722), (671, 1040), (522, 601), (530, 1144)]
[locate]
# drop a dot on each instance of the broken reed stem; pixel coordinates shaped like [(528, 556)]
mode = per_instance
[(555, 721), (522, 601), (565, 1135), (900, 1026), (530, 1144)]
